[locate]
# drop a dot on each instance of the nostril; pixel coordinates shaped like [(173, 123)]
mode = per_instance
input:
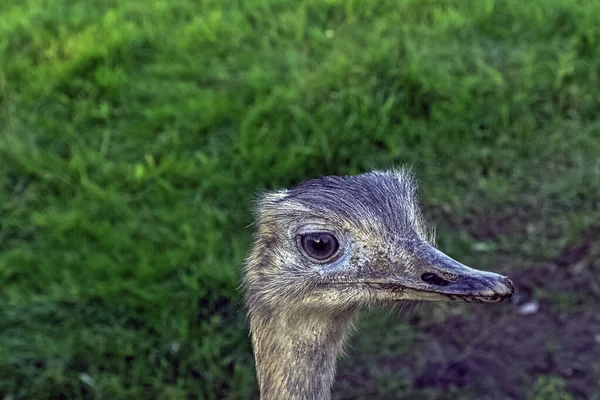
[(433, 279)]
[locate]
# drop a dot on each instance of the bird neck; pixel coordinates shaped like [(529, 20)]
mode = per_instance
[(296, 352)]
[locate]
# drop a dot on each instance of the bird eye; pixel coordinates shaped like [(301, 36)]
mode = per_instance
[(319, 245)]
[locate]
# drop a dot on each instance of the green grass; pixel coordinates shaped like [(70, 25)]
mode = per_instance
[(549, 387), (134, 136)]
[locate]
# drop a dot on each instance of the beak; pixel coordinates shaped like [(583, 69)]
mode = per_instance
[(434, 276)]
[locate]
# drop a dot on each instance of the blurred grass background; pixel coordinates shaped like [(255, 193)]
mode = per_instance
[(135, 134)]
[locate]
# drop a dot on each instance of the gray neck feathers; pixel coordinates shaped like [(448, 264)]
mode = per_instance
[(296, 352)]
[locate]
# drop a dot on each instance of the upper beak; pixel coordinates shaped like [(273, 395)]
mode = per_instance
[(432, 275)]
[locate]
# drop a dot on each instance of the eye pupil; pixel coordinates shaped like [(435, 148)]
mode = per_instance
[(319, 245)]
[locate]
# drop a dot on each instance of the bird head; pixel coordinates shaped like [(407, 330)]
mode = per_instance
[(346, 242)]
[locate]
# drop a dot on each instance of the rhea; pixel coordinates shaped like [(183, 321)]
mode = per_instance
[(328, 248)]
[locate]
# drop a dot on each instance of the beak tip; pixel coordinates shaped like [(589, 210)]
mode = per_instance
[(504, 287)]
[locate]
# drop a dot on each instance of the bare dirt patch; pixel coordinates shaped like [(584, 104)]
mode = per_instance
[(500, 356)]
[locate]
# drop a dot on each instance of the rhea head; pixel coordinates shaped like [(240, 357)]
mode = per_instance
[(340, 243)]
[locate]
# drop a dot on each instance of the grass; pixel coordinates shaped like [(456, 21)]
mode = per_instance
[(134, 136)]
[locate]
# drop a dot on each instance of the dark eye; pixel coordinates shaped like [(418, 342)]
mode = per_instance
[(319, 245)]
